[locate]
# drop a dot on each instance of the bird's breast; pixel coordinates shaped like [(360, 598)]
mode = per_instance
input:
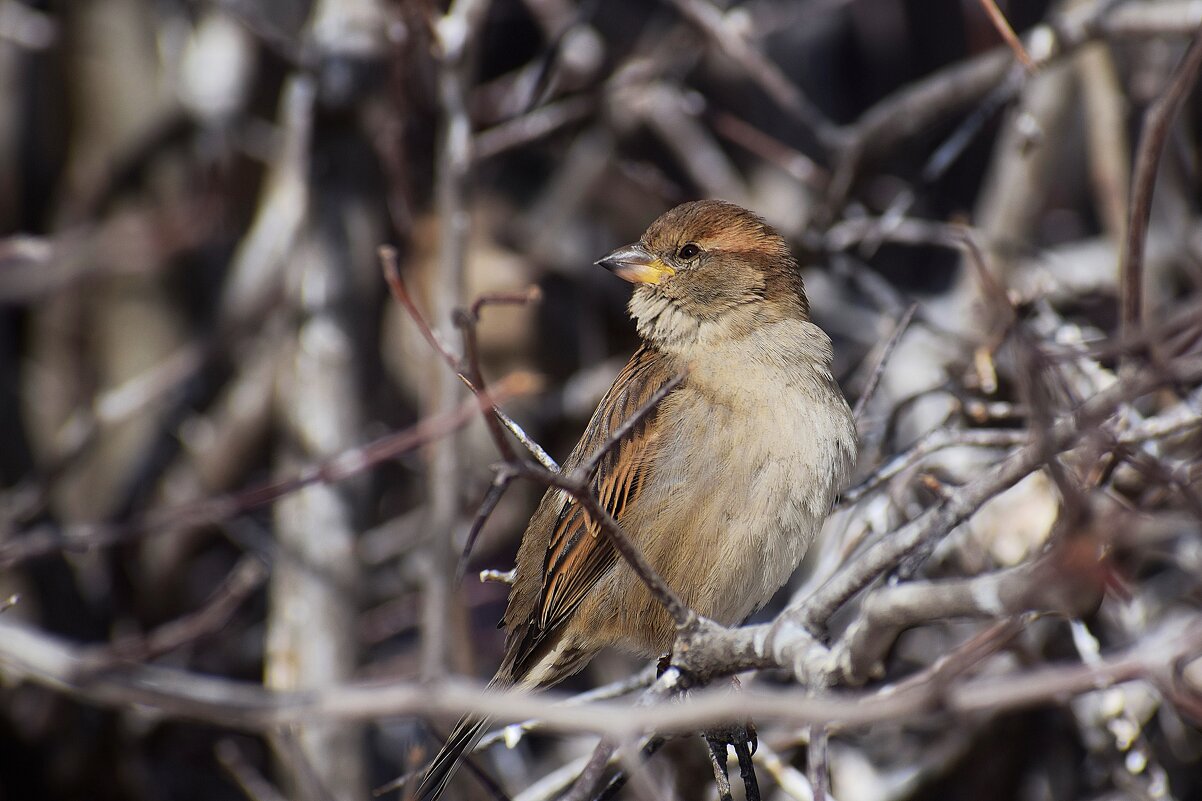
[(753, 453)]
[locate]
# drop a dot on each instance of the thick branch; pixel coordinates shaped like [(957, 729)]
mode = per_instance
[(28, 654)]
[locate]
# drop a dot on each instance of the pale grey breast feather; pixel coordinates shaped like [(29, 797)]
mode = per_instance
[(772, 445)]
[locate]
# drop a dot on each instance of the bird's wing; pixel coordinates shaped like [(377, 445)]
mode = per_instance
[(577, 552)]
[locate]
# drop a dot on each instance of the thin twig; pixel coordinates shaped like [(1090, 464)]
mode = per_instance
[(717, 755), (594, 769), (610, 750), (793, 162), (577, 486), (918, 106), (966, 656), (938, 521), (517, 297), (1157, 123), (932, 442), (246, 577), (618, 780), (715, 25), (532, 126), (388, 261), (1012, 41), (471, 351), (468, 323), (616, 689), (878, 369), (492, 497), (244, 774), (87, 536), (289, 749), (589, 467)]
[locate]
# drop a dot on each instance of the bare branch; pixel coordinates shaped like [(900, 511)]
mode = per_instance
[(937, 522), (246, 577), (589, 467), (730, 41), (919, 105), (1157, 123), (578, 487), (244, 774), (27, 654), (1053, 583), (818, 762), (84, 537), (492, 497), (531, 126), (594, 769), (932, 442), (388, 261), (878, 369), (1012, 41)]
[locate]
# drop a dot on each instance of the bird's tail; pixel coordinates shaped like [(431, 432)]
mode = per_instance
[(462, 739)]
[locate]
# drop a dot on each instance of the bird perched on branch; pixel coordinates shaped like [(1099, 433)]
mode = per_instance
[(722, 486)]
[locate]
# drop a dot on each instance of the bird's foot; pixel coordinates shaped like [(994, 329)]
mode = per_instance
[(745, 741)]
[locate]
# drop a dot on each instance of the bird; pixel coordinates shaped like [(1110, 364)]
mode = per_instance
[(723, 485)]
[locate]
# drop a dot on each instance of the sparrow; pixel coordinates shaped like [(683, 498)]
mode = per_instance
[(723, 485)]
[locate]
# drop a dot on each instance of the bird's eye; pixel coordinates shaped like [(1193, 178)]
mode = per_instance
[(687, 251)]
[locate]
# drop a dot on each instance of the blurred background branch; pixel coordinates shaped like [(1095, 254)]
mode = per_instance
[(236, 480)]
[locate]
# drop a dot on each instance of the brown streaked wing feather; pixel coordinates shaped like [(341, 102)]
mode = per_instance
[(578, 552)]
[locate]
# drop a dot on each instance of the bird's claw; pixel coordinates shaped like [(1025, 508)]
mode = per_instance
[(745, 741), (735, 735)]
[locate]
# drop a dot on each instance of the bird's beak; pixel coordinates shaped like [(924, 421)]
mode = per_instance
[(634, 264)]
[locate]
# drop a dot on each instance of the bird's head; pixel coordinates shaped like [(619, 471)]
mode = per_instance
[(708, 268)]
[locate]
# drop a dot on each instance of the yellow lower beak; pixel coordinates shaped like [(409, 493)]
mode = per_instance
[(634, 264)]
